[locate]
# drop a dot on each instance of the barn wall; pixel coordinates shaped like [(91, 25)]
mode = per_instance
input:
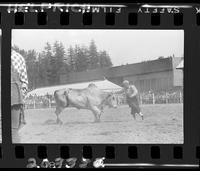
[(152, 81), (152, 75), (177, 73), (178, 77), (146, 67)]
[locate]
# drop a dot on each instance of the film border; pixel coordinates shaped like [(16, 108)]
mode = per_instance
[(191, 126)]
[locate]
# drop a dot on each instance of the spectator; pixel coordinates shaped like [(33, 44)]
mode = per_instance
[(19, 87)]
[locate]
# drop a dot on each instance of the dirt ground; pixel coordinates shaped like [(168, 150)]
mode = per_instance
[(162, 124)]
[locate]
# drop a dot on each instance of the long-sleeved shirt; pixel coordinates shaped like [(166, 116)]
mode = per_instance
[(18, 63), (130, 92)]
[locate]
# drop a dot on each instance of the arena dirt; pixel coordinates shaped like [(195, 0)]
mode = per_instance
[(162, 124)]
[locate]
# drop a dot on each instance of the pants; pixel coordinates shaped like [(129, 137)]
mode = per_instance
[(134, 104), (16, 121)]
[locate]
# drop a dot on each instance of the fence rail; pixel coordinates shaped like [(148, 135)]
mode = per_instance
[(154, 98), (145, 98)]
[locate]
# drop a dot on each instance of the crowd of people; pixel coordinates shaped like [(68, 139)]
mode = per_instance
[(150, 97), (161, 97), (36, 101)]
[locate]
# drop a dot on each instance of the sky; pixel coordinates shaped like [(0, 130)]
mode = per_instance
[(123, 46)]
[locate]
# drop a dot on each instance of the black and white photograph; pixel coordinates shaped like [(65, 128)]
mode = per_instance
[(97, 86)]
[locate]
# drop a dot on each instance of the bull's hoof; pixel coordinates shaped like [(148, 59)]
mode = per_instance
[(59, 122), (134, 117), (97, 121), (24, 122)]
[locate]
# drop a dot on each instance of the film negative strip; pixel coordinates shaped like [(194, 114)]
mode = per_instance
[(100, 85)]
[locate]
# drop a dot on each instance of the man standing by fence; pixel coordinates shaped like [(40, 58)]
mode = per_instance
[(19, 87), (132, 98)]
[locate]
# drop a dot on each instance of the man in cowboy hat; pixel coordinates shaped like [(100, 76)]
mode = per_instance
[(132, 98)]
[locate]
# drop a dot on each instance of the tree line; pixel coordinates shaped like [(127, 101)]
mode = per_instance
[(44, 68)]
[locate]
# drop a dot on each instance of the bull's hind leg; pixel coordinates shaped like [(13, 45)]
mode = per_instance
[(97, 113), (57, 112)]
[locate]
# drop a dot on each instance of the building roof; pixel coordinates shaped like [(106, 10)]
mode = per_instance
[(180, 65), (101, 84), (157, 65)]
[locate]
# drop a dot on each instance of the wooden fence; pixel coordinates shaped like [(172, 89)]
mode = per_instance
[(145, 98)]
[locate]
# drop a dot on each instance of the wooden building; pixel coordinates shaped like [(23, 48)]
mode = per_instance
[(155, 75)]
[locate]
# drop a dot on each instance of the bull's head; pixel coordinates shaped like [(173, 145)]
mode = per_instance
[(112, 100)]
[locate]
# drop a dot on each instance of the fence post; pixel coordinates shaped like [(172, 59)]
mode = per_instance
[(180, 97), (34, 103), (49, 103), (141, 99), (153, 98)]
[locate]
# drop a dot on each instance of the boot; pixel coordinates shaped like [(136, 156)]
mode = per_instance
[(141, 115)]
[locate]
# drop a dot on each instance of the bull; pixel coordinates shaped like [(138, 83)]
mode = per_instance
[(91, 98)]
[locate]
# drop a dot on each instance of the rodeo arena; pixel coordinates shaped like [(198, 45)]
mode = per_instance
[(160, 86)]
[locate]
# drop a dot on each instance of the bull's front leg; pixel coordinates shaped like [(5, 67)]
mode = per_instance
[(97, 113), (57, 112)]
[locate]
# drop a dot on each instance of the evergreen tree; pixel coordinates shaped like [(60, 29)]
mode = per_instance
[(71, 59), (93, 56), (42, 69), (52, 71), (31, 68), (45, 68), (76, 54), (48, 64), (104, 59), (20, 51), (81, 60), (59, 55)]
